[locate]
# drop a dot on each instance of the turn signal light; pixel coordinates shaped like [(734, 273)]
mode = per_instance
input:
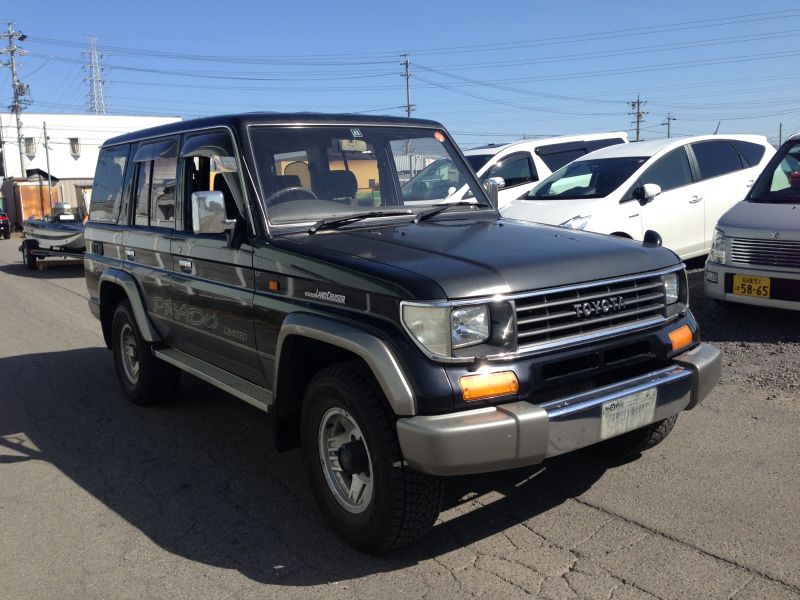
[(681, 337), (488, 385)]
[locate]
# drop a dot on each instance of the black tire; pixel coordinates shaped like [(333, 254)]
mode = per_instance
[(149, 380), (6, 236), (403, 504), (28, 259), (635, 442)]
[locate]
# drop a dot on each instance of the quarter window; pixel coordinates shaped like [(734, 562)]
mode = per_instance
[(162, 193), (753, 153), (716, 158), (670, 171)]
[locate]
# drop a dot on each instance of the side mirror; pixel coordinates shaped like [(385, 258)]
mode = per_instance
[(491, 186), (645, 193), (208, 213)]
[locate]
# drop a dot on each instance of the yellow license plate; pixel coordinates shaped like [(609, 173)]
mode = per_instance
[(750, 285)]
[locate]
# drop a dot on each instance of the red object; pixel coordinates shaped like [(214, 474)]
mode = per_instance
[(794, 179), (3, 218)]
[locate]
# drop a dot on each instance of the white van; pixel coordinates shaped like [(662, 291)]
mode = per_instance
[(678, 188)]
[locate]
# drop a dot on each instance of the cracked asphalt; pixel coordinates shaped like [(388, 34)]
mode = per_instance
[(103, 499)]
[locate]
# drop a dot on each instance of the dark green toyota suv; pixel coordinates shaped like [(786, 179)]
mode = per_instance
[(395, 334)]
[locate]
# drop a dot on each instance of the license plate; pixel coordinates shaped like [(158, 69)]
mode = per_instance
[(628, 413), (750, 285)]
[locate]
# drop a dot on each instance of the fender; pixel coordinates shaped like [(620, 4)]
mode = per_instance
[(131, 288), (371, 349)]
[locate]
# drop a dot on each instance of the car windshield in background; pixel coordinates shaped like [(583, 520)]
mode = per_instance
[(592, 178), (781, 184), (327, 172), (476, 161)]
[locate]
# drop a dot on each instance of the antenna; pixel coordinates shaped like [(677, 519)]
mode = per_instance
[(95, 97)]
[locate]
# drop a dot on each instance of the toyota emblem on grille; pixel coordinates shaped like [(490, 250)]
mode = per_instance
[(603, 306), (775, 234)]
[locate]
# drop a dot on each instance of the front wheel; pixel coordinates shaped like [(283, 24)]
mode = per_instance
[(635, 442), (143, 378), (364, 490)]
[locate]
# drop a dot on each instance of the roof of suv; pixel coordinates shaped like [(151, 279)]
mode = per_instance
[(652, 147), (560, 139), (271, 118)]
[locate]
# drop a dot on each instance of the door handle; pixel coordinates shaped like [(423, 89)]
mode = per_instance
[(695, 199), (185, 265), (751, 182), (130, 254)]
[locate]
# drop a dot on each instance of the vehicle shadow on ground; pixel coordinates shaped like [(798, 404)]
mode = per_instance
[(55, 269), (198, 476), (733, 322)]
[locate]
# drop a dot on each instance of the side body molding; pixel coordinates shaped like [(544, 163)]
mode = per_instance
[(371, 349), (128, 284)]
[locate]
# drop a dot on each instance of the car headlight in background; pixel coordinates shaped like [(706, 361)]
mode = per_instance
[(717, 253), (576, 222), (441, 329), (671, 287)]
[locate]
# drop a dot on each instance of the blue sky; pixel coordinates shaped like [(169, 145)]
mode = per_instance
[(490, 71)]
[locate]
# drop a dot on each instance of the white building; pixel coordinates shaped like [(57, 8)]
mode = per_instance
[(71, 154)]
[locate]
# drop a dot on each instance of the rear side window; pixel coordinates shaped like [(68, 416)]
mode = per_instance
[(515, 169), (716, 158), (670, 171), (556, 160), (753, 153), (107, 188)]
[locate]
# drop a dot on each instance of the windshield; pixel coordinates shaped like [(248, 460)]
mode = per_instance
[(326, 172), (780, 184), (591, 178), (476, 161)]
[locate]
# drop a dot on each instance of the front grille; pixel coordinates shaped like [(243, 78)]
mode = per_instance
[(771, 253), (566, 315)]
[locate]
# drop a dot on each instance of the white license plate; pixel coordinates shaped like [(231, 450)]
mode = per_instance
[(628, 413)]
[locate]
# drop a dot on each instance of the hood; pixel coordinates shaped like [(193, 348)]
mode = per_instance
[(469, 258), (553, 212), (760, 219)]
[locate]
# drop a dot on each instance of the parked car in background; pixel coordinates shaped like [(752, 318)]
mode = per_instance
[(755, 254), (517, 166), (677, 188), (5, 226)]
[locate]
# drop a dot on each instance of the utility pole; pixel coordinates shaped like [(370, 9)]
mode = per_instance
[(638, 113), (47, 157), (20, 89), (407, 74), (780, 133), (96, 98), (668, 122)]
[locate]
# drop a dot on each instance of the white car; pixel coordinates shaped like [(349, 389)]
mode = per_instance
[(755, 256), (521, 165), (678, 188), (516, 167)]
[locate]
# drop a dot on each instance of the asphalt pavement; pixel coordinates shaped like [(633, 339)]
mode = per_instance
[(103, 499)]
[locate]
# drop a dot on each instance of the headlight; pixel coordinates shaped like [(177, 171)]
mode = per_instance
[(671, 288), (440, 329), (717, 253), (576, 222), (469, 325)]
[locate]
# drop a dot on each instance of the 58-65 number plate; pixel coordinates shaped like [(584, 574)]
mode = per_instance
[(751, 285), (627, 413)]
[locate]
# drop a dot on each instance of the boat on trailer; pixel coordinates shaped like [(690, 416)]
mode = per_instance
[(62, 231)]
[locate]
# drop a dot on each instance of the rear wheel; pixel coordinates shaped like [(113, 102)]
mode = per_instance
[(143, 378), (28, 259), (365, 491), (635, 442)]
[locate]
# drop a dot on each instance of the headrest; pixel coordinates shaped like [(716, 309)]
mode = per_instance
[(339, 184)]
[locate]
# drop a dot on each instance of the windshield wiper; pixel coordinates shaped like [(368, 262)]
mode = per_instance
[(427, 214), (335, 222)]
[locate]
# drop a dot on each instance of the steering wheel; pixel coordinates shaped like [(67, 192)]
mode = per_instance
[(297, 189)]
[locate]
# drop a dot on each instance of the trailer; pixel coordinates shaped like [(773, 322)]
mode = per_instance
[(33, 256)]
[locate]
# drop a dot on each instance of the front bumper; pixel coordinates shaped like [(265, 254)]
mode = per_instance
[(785, 285), (521, 433)]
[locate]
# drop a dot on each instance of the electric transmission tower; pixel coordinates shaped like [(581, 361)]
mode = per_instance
[(638, 113), (21, 91), (95, 97)]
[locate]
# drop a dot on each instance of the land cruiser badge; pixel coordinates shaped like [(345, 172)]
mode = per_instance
[(329, 296)]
